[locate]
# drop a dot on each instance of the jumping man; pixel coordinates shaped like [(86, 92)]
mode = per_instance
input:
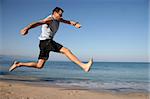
[(50, 26)]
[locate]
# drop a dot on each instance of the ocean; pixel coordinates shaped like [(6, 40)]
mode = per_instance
[(104, 76)]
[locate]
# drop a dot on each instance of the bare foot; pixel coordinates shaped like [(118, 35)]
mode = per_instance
[(13, 66), (88, 65)]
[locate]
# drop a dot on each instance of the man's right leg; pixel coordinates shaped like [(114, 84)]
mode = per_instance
[(85, 66), (37, 65)]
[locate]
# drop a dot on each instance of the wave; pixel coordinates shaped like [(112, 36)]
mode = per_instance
[(108, 86)]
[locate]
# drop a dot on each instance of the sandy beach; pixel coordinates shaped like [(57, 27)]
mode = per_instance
[(17, 90)]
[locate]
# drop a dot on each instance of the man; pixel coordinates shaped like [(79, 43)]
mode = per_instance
[(50, 26)]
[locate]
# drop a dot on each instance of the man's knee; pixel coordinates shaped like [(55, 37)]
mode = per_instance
[(40, 63), (39, 66)]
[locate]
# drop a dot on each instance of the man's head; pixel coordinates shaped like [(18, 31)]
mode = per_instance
[(57, 13)]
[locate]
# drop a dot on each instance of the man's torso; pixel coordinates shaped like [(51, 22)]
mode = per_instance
[(49, 30)]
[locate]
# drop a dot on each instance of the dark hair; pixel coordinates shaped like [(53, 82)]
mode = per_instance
[(57, 9)]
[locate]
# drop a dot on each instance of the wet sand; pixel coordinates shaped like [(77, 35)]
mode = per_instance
[(19, 90)]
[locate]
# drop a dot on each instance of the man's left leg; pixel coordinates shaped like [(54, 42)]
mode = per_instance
[(37, 65), (72, 57)]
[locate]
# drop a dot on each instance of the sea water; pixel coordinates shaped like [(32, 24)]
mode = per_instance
[(104, 76)]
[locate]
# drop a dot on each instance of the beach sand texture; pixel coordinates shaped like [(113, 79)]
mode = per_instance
[(15, 90)]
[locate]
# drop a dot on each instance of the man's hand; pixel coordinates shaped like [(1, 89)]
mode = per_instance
[(24, 31), (78, 25)]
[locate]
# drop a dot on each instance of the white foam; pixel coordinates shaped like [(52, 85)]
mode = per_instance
[(120, 86)]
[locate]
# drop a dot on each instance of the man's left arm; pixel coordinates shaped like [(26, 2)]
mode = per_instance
[(76, 24)]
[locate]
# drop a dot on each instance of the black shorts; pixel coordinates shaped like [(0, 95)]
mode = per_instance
[(46, 46)]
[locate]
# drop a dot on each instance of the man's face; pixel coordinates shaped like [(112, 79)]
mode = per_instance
[(58, 15)]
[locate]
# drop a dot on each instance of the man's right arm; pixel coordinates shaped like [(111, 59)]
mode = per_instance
[(35, 24)]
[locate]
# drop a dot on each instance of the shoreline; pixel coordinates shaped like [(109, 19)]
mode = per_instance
[(38, 82), (23, 90), (51, 82)]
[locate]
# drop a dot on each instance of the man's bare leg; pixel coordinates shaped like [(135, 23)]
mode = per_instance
[(37, 65), (72, 57)]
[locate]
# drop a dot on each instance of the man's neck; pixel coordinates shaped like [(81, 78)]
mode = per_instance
[(53, 16)]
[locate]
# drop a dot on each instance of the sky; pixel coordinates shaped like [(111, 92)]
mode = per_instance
[(112, 30)]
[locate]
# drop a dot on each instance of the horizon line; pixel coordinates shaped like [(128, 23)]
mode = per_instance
[(29, 57)]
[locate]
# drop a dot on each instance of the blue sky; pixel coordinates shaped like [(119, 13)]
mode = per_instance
[(112, 30)]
